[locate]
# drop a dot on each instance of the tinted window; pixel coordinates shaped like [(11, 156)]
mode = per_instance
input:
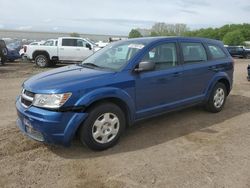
[(216, 52), (164, 56), (193, 52), (69, 42)]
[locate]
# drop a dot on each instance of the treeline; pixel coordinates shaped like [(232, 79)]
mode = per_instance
[(233, 34)]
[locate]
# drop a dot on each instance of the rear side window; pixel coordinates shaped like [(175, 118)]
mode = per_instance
[(193, 52), (69, 42), (216, 51)]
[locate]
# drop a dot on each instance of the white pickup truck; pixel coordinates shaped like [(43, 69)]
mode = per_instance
[(67, 49)]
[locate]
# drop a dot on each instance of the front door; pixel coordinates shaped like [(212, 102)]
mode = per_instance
[(82, 51), (161, 88)]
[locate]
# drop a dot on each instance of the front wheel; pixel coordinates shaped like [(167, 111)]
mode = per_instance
[(103, 127), (217, 98)]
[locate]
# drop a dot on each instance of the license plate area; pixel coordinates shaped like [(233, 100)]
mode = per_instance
[(31, 131)]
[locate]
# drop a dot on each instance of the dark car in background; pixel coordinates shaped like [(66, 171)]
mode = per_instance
[(13, 51), (239, 51), (3, 52)]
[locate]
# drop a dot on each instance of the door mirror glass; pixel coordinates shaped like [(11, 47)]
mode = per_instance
[(145, 66)]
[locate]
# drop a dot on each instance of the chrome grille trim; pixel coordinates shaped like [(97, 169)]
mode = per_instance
[(26, 96)]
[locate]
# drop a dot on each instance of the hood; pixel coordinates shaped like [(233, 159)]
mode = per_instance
[(63, 79)]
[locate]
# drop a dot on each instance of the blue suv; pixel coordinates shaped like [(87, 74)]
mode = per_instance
[(123, 83)]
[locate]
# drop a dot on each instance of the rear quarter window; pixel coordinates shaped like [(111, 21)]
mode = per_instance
[(216, 52)]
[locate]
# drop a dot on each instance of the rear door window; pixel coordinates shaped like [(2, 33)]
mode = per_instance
[(216, 52), (193, 52), (69, 42)]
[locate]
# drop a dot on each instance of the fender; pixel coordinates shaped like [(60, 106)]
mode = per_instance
[(40, 52), (108, 92), (214, 80)]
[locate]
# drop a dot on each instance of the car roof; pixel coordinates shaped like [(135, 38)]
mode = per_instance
[(158, 39)]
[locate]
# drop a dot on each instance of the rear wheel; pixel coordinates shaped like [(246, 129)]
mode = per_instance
[(42, 61), (103, 127), (217, 98)]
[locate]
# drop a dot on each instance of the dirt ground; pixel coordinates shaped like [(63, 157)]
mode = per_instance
[(189, 148)]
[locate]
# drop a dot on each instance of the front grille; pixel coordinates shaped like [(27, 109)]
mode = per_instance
[(28, 93), (27, 98)]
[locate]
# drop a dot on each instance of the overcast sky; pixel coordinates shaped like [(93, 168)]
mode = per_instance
[(118, 16)]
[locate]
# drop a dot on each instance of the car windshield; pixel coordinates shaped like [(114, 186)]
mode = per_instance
[(114, 56)]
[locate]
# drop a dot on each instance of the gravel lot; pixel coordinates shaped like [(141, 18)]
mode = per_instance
[(189, 148)]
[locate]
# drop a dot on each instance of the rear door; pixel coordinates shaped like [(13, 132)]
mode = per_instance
[(68, 50), (198, 68)]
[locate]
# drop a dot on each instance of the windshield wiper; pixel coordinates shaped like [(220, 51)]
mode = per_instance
[(89, 65)]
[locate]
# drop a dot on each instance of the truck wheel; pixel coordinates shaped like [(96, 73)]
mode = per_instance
[(103, 127), (217, 98), (42, 61)]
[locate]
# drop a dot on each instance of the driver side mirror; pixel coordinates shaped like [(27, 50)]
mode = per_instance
[(88, 46), (145, 66)]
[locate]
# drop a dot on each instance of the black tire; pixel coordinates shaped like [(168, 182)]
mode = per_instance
[(211, 104), (4, 53), (88, 128), (42, 61)]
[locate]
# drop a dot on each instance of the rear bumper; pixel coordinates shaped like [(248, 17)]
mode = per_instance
[(48, 126)]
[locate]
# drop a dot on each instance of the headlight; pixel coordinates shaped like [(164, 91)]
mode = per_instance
[(50, 100)]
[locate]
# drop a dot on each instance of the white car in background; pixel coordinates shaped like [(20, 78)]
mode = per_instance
[(101, 44), (63, 49), (22, 50)]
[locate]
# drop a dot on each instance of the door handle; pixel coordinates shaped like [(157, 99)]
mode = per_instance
[(78, 49), (61, 48)]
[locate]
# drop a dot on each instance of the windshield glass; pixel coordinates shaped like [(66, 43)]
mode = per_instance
[(114, 56)]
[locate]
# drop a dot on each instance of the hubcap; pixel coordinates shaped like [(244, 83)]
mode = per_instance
[(105, 128), (219, 98), (41, 61)]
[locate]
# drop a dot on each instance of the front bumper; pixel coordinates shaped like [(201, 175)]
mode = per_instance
[(48, 126)]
